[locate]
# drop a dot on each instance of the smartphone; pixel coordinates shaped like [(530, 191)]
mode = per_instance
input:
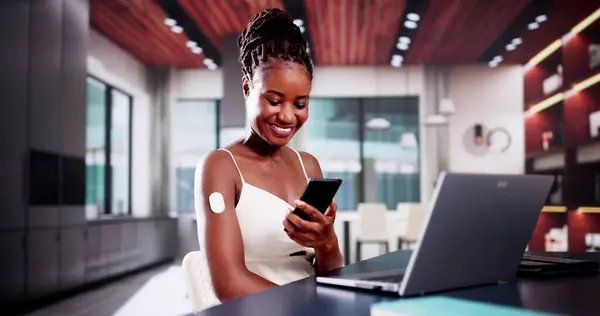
[(319, 193)]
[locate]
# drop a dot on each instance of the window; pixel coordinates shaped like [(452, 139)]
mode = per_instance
[(108, 143), (194, 133), (370, 143)]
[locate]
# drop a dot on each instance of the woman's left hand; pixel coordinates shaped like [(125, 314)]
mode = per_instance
[(317, 233)]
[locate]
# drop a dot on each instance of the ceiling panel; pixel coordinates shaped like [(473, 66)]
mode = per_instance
[(138, 27), (342, 32), (562, 16), (353, 32), (459, 31), (217, 19)]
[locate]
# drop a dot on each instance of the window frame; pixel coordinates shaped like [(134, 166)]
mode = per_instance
[(108, 185), (361, 137)]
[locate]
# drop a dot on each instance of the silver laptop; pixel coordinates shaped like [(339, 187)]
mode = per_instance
[(475, 233)]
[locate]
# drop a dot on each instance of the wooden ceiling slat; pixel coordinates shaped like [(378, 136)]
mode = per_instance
[(452, 31), (215, 14), (323, 34), (330, 19), (126, 31), (192, 7), (230, 18), (352, 35), (314, 31)]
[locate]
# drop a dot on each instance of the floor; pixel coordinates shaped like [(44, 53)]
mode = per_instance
[(156, 292)]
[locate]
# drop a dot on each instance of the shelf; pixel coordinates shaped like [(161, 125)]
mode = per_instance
[(589, 210), (554, 209)]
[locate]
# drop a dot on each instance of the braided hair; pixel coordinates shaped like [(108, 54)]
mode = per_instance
[(272, 34)]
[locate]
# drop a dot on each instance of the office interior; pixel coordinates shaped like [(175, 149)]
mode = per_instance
[(110, 105)]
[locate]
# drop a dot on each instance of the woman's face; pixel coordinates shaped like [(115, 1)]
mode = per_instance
[(277, 101)]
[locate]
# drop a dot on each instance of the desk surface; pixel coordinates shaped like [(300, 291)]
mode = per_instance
[(573, 295)]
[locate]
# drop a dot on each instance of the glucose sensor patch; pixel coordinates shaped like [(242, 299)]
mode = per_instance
[(216, 202)]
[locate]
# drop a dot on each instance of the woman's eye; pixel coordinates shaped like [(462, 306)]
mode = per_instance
[(300, 105), (272, 102)]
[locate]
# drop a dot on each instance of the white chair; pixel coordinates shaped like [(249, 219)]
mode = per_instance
[(198, 281), (373, 226), (415, 217)]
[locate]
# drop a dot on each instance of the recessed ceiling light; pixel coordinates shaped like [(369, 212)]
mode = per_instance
[(170, 22), (498, 58), (404, 39), (541, 18), (402, 46), (413, 17), (208, 61), (196, 50), (510, 47), (301, 29), (517, 41), (211, 66), (396, 63), (177, 29), (492, 64), (191, 44), (397, 57), (533, 25), (410, 24), (298, 22)]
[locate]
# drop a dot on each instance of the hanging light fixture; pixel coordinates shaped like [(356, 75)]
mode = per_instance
[(408, 140)]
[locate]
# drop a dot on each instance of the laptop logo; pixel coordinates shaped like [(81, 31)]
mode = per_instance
[(502, 184)]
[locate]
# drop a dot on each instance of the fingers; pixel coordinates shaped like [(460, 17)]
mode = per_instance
[(296, 234), (332, 210), (314, 214), (302, 225)]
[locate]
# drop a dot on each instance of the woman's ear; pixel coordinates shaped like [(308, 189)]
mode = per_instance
[(245, 87)]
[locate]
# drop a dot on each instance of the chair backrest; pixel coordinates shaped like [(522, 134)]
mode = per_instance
[(373, 221), (198, 282), (414, 219)]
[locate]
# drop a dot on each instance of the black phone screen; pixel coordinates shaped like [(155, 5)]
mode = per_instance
[(319, 193)]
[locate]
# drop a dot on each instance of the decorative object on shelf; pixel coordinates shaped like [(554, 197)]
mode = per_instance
[(592, 242), (594, 119), (554, 82), (498, 140), (557, 239), (546, 140), (594, 51)]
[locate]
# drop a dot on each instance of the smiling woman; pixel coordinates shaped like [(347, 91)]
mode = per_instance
[(260, 178)]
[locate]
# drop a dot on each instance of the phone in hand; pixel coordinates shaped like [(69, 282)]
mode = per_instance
[(319, 193)]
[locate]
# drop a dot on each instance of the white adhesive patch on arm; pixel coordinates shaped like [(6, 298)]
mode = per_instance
[(216, 202)]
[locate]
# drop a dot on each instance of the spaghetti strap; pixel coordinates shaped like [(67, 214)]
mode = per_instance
[(235, 163), (301, 163)]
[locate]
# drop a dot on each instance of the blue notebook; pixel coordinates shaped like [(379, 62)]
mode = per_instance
[(439, 305)]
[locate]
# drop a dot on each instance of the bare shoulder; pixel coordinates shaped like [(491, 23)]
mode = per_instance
[(313, 169), (220, 164)]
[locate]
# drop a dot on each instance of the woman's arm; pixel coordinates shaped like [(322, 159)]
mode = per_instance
[(328, 256), (223, 239)]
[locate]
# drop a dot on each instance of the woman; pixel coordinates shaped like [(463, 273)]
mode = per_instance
[(250, 187)]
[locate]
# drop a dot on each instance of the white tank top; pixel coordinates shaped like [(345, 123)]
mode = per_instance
[(268, 250)]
